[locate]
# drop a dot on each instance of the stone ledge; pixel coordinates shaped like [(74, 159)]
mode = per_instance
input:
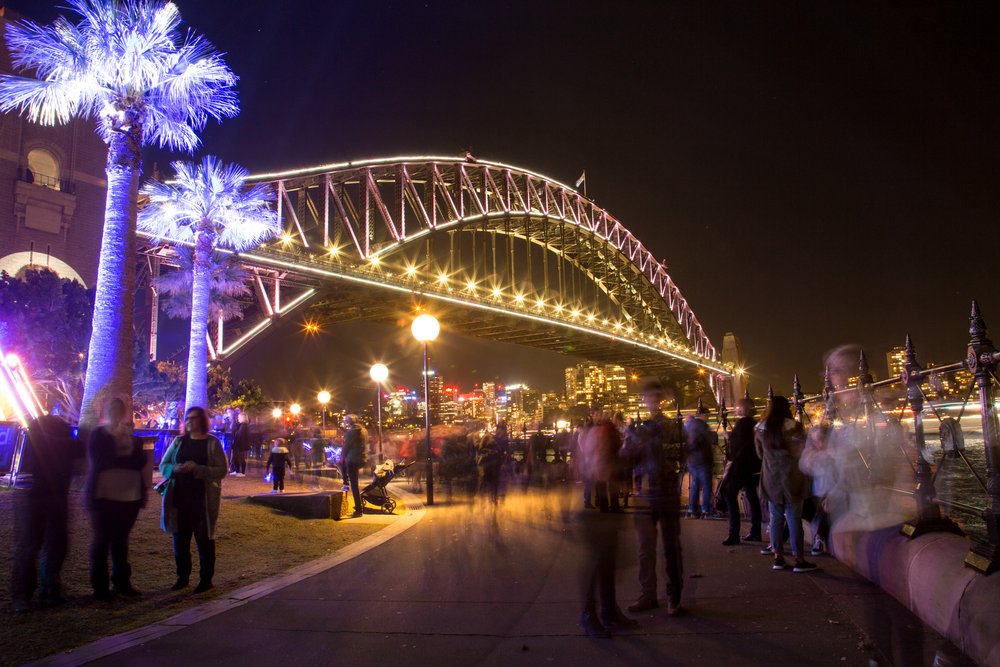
[(315, 505), (928, 575)]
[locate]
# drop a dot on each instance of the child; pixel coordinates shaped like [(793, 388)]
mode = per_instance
[(278, 459)]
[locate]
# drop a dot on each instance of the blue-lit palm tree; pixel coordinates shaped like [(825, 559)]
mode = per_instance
[(227, 282), (208, 205), (126, 64)]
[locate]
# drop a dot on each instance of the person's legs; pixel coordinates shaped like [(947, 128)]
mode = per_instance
[(29, 531), (54, 549), (601, 493), (121, 570), (645, 531), (733, 510), (206, 554), (706, 489), (793, 517), (352, 473), (776, 527), (102, 525), (670, 526), (182, 547), (694, 489), (588, 490)]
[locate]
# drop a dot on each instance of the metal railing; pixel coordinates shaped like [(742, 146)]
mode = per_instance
[(981, 360), (42, 180)]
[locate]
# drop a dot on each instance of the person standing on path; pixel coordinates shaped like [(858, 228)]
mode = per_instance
[(657, 451), (352, 458), (194, 466), (115, 492), (241, 445), (41, 512), (779, 440), (277, 461), (743, 474), (701, 442)]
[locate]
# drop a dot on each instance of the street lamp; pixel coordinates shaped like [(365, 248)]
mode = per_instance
[(323, 397), (379, 373), (276, 413), (426, 328)]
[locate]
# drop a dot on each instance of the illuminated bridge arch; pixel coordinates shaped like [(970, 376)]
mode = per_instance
[(508, 242)]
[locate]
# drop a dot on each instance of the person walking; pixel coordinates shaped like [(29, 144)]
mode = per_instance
[(115, 492), (743, 474), (277, 461), (194, 466), (352, 458), (490, 462), (657, 451), (41, 513), (779, 441), (241, 446)]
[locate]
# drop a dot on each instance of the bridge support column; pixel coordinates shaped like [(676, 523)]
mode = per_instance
[(982, 359), (929, 518)]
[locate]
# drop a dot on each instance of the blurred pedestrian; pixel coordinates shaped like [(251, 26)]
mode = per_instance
[(657, 450), (194, 466), (241, 446), (115, 492), (50, 458), (743, 473), (317, 448), (779, 441), (352, 458), (277, 463), (700, 459), (490, 462), (603, 443)]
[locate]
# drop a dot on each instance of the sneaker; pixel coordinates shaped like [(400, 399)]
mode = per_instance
[(357, 515), (766, 551), (643, 604), (819, 548), (779, 563), (804, 566), (203, 586)]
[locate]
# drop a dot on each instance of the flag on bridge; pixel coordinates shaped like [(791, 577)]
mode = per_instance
[(582, 180)]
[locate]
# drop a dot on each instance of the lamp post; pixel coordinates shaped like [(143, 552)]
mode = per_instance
[(323, 397), (379, 373), (426, 328)]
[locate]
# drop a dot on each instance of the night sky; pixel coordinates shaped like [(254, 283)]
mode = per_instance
[(813, 173)]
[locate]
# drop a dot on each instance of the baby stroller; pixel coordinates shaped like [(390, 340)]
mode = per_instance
[(375, 493)]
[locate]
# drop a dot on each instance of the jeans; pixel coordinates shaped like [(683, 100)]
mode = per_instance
[(196, 524), (112, 522), (278, 478), (40, 526), (666, 516), (733, 507), (791, 513), (701, 484)]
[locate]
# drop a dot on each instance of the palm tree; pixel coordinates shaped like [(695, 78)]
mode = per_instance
[(207, 205), (125, 63), (227, 281)]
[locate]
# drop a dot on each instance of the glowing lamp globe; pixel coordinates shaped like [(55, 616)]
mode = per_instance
[(295, 408), (323, 397), (12, 361), (380, 372), (425, 328), (276, 413)]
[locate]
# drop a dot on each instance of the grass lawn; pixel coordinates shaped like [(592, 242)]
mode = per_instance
[(253, 543)]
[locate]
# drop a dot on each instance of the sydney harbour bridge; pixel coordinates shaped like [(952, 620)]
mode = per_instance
[(495, 251)]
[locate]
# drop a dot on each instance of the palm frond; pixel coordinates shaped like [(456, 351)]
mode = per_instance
[(227, 282)]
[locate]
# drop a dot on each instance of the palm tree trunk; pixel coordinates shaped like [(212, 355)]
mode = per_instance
[(110, 356), (197, 371)]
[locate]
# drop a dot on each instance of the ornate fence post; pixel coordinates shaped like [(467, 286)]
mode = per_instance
[(982, 359), (928, 517), (798, 399)]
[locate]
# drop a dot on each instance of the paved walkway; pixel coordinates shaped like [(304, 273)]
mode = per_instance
[(460, 584)]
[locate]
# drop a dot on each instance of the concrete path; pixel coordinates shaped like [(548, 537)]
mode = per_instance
[(467, 585)]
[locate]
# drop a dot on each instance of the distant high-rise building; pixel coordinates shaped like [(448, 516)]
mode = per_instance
[(597, 386), (435, 387), (895, 361)]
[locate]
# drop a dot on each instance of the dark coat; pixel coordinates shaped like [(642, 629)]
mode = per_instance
[(241, 437), (49, 458), (101, 450), (353, 454), (742, 451)]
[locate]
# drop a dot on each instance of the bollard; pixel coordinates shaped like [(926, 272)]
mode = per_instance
[(929, 518), (982, 358)]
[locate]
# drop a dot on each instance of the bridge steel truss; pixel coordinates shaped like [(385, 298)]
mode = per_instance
[(514, 245)]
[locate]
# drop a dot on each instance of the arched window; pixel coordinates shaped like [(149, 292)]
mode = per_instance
[(43, 168)]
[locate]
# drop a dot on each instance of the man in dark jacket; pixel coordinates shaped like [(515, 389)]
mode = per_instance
[(352, 458), (241, 445), (51, 457), (657, 450), (743, 474), (701, 443)]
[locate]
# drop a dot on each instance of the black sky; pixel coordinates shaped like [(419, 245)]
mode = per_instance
[(813, 173)]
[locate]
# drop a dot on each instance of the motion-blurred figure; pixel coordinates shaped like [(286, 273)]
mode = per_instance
[(701, 443), (743, 475), (40, 511), (657, 452)]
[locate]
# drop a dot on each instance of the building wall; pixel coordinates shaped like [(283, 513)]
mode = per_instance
[(39, 224)]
